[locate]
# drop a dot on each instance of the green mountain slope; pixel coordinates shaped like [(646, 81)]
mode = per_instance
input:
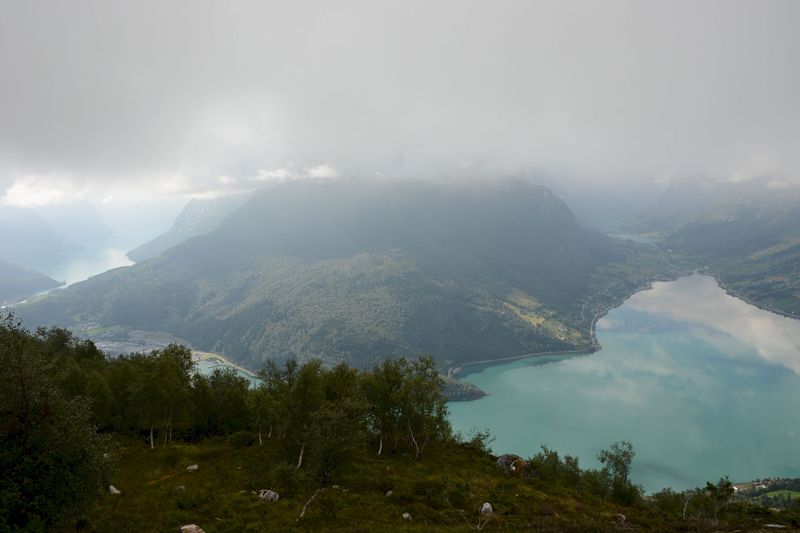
[(17, 283), (355, 271), (747, 233)]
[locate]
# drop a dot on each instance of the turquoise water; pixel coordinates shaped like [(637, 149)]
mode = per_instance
[(701, 383), (207, 367)]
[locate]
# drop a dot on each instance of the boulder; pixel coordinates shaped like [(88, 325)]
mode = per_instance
[(407, 517), (191, 528), (511, 463), (267, 495), (487, 508), (113, 490), (192, 468)]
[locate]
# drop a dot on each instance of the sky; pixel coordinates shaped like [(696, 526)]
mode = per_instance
[(111, 99)]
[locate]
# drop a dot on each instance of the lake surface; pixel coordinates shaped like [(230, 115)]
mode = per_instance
[(207, 367), (701, 383), (85, 264)]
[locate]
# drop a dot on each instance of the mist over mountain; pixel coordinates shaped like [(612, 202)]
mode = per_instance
[(79, 222), (747, 233), (28, 239), (199, 216), (17, 283), (357, 271), (606, 205)]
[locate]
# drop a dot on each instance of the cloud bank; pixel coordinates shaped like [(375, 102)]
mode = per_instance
[(110, 97)]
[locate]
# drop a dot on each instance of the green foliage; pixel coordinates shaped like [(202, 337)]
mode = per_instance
[(242, 439), (479, 441), (332, 417), (617, 461), (719, 494), (52, 463), (548, 467)]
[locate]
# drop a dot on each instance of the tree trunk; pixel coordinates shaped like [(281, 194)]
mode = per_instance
[(300, 459), (311, 499), (151, 438), (380, 448), (411, 431), (26, 421)]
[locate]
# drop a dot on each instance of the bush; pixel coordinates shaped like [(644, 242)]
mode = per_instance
[(479, 441), (242, 439), (171, 458)]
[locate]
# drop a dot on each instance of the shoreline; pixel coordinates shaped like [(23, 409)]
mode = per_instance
[(210, 356), (592, 347), (745, 299), (595, 346)]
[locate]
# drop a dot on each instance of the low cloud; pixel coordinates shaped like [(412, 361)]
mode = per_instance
[(182, 98)]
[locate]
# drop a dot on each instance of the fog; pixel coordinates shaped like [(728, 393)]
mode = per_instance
[(118, 100)]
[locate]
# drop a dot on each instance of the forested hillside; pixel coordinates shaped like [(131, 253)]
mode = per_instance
[(144, 443), (359, 271)]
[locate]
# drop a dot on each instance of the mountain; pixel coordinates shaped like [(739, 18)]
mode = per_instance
[(28, 239), (78, 222), (747, 233), (608, 204), (197, 218), (357, 271), (17, 283)]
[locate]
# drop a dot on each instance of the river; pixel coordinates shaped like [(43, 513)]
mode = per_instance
[(701, 383)]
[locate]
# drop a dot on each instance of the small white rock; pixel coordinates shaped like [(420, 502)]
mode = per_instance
[(113, 490), (268, 495), (389, 493), (407, 517), (487, 508), (191, 528), (192, 468)]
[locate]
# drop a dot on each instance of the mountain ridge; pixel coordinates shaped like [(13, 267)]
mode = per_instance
[(353, 271)]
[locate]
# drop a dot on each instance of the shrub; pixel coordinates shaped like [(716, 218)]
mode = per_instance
[(242, 439)]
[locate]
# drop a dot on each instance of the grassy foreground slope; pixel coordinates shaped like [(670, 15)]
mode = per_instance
[(158, 494), (442, 492), (357, 272)]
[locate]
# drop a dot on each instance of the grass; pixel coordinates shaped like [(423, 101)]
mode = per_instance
[(784, 493), (442, 491), (436, 490)]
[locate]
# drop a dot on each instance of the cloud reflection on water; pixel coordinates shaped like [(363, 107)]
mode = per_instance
[(697, 299), (695, 379)]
